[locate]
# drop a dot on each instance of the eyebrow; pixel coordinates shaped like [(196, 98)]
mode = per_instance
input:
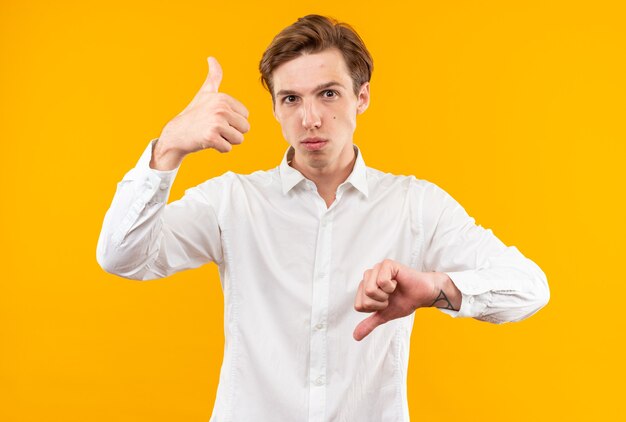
[(317, 88)]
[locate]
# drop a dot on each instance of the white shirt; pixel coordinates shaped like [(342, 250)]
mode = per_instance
[(290, 268)]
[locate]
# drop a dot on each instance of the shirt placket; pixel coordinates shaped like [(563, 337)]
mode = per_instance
[(319, 316)]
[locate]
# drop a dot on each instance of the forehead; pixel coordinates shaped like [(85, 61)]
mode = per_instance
[(308, 71)]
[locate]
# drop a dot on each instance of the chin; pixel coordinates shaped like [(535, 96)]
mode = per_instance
[(318, 164), (319, 160)]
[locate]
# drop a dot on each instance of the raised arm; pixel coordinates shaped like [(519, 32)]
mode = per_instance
[(142, 237)]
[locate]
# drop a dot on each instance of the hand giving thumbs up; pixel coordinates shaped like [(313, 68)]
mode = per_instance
[(211, 120)]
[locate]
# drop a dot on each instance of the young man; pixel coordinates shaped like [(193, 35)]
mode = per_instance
[(305, 247)]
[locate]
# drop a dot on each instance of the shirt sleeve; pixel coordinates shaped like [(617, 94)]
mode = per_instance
[(145, 238), (498, 284)]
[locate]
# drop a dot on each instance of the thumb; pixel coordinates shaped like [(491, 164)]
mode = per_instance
[(367, 326), (214, 78)]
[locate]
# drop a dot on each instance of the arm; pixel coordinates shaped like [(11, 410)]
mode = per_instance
[(142, 237), (467, 272), (498, 284)]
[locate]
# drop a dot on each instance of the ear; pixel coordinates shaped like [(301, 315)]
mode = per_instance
[(363, 98)]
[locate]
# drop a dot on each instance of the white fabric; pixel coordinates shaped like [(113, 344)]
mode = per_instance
[(290, 268)]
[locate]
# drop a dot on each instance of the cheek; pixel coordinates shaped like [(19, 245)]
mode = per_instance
[(351, 121), (289, 125), (284, 119)]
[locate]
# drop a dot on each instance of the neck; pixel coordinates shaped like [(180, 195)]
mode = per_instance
[(328, 178)]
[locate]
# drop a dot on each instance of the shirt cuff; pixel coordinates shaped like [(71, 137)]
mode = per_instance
[(474, 297), (162, 179)]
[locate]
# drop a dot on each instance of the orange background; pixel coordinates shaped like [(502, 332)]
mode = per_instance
[(515, 108)]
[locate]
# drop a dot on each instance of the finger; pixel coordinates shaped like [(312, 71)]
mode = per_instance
[(371, 305), (367, 326), (232, 135), (358, 300), (370, 287), (236, 105), (363, 303), (211, 83), (239, 122), (214, 77), (386, 277), (222, 145)]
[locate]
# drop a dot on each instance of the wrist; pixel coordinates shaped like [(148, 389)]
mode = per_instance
[(446, 295), (163, 157)]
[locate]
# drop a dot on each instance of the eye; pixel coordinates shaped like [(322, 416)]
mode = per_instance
[(289, 99), (329, 93)]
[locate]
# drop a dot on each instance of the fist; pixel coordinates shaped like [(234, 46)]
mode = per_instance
[(392, 290), (211, 120)]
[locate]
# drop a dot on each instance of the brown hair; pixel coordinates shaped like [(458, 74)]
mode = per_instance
[(313, 34)]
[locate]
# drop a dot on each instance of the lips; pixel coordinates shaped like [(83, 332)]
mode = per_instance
[(314, 144)]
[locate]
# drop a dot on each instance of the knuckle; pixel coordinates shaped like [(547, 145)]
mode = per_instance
[(213, 132), (222, 110), (384, 283), (205, 140), (370, 291)]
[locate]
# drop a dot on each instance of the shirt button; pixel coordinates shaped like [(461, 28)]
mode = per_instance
[(319, 326), (319, 380), (471, 299), (163, 186)]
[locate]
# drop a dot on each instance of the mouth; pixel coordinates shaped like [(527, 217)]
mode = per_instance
[(313, 144)]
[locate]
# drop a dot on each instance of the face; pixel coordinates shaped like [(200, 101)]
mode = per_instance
[(316, 107)]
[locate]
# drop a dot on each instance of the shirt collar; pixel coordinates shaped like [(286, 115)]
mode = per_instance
[(290, 177)]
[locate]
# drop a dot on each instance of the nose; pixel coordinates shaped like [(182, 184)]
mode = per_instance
[(311, 119)]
